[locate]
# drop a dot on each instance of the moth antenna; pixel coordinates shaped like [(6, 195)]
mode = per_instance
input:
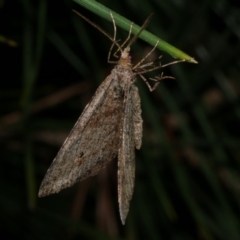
[(97, 27), (142, 28)]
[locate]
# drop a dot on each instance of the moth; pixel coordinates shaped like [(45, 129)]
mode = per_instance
[(110, 126)]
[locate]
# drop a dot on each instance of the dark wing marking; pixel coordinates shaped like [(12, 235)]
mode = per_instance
[(92, 143), (130, 137)]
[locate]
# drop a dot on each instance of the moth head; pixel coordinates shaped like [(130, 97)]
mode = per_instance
[(125, 59)]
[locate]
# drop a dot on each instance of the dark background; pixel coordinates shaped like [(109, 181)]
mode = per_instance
[(187, 179)]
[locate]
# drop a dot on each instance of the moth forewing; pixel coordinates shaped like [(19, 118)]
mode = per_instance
[(130, 137), (86, 150)]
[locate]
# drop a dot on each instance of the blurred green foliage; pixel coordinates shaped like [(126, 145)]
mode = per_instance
[(188, 169)]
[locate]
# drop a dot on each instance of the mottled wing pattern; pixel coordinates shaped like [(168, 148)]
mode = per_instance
[(93, 142), (130, 137), (137, 118)]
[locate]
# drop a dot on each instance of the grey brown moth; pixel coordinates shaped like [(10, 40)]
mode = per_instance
[(110, 126)]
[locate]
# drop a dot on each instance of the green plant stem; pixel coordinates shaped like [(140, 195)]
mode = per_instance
[(122, 22)]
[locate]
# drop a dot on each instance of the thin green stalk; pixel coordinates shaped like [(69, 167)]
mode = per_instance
[(125, 24), (31, 62)]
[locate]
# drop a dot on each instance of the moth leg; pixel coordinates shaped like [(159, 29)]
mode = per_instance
[(157, 80), (132, 40), (157, 67), (150, 64), (124, 43), (114, 38), (139, 63), (114, 41), (147, 83)]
